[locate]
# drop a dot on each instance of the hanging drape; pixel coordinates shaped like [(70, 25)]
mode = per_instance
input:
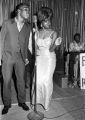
[(68, 16)]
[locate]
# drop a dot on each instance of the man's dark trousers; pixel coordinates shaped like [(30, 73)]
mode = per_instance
[(15, 60)]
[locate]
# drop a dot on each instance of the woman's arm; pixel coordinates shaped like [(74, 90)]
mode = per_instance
[(55, 42), (53, 46)]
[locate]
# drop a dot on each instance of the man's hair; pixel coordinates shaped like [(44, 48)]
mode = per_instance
[(76, 36), (19, 6)]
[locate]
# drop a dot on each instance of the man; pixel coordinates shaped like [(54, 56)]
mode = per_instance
[(14, 41), (74, 48)]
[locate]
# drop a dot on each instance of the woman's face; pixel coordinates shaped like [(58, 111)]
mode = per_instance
[(46, 24)]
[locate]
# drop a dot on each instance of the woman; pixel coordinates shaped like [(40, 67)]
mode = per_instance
[(46, 41)]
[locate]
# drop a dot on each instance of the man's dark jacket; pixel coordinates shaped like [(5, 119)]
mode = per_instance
[(10, 36)]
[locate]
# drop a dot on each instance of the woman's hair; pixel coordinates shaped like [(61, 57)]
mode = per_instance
[(44, 13)]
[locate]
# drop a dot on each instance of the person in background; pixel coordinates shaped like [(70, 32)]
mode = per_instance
[(46, 41), (14, 46), (75, 46)]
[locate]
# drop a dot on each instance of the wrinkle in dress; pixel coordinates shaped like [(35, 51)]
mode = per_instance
[(45, 66)]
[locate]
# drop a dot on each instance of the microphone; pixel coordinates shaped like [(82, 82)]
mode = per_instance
[(35, 115), (35, 22), (35, 27)]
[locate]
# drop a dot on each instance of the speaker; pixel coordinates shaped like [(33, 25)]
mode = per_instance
[(61, 80)]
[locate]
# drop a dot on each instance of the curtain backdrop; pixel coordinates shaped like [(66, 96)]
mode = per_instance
[(68, 16)]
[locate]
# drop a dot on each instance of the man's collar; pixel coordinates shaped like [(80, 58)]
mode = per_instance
[(17, 21), (13, 21)]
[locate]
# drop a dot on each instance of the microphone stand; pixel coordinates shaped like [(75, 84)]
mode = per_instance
[(34, 115)]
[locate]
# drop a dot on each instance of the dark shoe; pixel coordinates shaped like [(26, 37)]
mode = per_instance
[(27, 86), (24, 106), (5, 109)]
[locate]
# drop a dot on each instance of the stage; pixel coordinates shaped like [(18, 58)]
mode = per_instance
[(66, 104)]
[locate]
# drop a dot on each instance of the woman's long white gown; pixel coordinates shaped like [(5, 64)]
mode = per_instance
[(45, 66)]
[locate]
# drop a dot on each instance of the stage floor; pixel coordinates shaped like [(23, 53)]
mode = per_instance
[(66, 104)]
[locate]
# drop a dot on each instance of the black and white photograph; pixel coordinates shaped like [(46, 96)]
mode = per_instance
[(42, 60)]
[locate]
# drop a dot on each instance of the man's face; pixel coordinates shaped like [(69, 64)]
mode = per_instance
[(77, 39), (24, 12)]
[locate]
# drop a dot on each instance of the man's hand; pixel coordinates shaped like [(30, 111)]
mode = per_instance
[(26, 61)]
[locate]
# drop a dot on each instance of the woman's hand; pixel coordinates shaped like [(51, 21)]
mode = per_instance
[(58, 41)]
